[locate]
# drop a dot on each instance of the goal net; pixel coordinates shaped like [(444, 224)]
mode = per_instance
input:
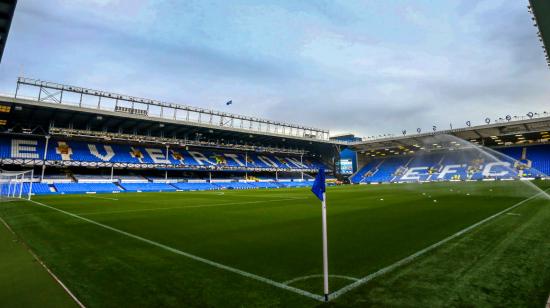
[(16, 185)]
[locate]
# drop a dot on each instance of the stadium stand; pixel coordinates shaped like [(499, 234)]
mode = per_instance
[(195, 186), (460, 165), (93, 178), (57, 178), (517, 162), (294, 184), (79, 188), (132, 179), (265, 185), (79, 151), (147, 187), (37, 188), (161, 154), (235, 185)]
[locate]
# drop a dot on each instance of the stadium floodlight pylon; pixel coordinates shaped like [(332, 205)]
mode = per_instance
[(16, 185)]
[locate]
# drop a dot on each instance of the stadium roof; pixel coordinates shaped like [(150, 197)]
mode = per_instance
[(85, 99), (7, 8), (541, 16), (497, 134), (39, 117)]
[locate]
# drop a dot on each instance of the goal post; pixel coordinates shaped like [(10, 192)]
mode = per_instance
[(16, 185)]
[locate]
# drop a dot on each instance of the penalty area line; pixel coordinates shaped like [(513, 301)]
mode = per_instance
[(417, 254), (190, 256)]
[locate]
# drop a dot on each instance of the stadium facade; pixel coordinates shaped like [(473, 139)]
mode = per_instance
[(84, 140), (80, 140), (519, 145)]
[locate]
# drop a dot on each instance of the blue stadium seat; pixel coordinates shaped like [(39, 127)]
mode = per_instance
[(148, 187), (528, 161), (62, 150), (195, 186), (78, 188)]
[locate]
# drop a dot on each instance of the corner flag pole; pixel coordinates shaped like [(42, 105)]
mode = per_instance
[(325, 247), (319, 189)]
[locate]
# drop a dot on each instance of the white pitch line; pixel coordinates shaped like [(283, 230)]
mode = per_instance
[(184, 207), (105, 198), (63, 286), (410, 258), (190, 256), (317, 276)]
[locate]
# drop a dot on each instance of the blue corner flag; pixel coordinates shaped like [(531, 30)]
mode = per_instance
[(229, 103), (318, 189), (319, 185)]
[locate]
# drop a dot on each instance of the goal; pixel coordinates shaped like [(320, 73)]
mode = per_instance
[(16, 185)]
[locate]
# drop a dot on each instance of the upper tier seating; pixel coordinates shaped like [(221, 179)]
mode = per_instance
[(59, 150)]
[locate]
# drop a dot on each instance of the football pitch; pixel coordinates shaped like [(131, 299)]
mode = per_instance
[(437, 244)]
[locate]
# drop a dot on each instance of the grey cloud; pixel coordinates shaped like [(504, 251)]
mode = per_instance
[(494, 68)]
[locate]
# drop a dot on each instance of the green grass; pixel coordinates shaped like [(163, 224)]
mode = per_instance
[(276, 234), (23, 281)]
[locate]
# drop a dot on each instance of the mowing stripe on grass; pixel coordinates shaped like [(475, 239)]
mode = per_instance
[(190, 256), (415, 255), (75, 299), (186, 207)]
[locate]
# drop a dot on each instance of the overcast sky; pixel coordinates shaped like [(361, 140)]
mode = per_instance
[(359, 66)]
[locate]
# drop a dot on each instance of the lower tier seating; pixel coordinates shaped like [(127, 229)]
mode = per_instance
[(78, 188), (470, 164), (195, 186), (148, 187), (82, 188)]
